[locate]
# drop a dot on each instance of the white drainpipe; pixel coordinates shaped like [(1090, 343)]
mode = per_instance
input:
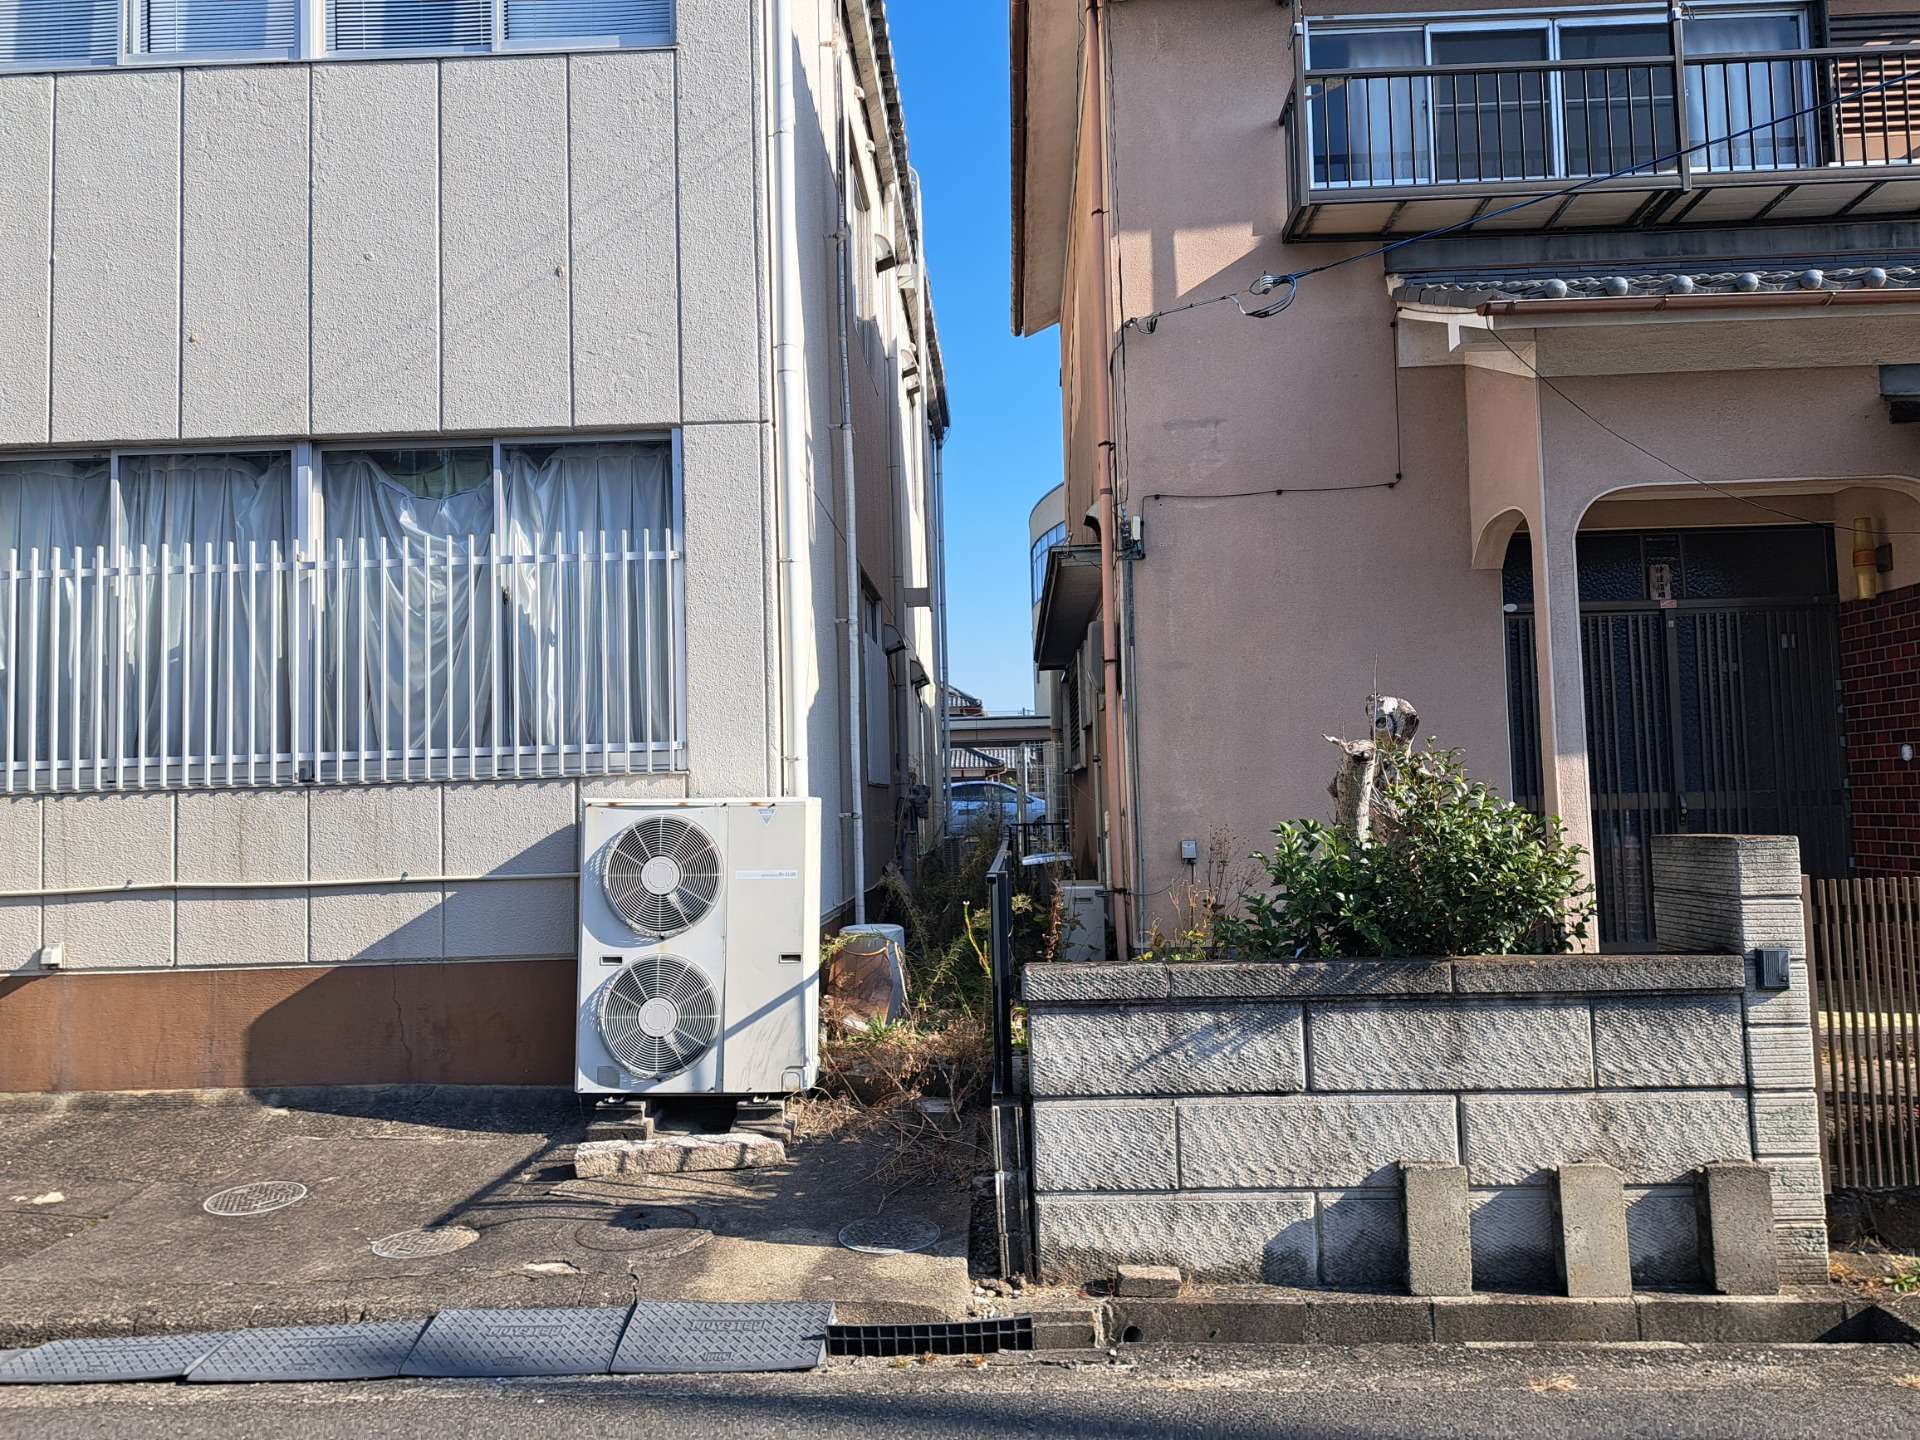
[(856, 677), (791, 433)]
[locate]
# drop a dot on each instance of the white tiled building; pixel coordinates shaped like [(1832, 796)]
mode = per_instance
[(395, 445)]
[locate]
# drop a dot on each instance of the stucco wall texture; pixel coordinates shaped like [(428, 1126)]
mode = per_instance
[(1261, 621)]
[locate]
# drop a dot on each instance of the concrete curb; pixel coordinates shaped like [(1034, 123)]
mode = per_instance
[(1325, 1319)]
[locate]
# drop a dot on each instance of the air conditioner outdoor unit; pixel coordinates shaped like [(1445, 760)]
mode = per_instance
[(699, 947)]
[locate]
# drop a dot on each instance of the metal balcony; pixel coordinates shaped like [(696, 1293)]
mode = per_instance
[(1769, 136)]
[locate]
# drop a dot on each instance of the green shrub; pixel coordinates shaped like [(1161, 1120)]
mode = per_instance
[(1453, 870)]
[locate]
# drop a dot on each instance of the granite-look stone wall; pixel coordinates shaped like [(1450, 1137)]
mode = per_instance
[(1246, 1121)]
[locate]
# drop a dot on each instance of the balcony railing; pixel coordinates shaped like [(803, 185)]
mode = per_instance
[(1451, 131)]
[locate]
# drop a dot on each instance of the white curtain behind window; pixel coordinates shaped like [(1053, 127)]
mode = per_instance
[(1370, 129), (48, 507), (202, 692), (398, 527), (1725, 98), (607, 496)]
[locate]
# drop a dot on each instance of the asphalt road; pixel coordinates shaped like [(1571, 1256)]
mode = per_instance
[(1858, 1392)]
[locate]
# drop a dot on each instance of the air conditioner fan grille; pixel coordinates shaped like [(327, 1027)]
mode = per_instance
[(661, 875), (658, 1016)]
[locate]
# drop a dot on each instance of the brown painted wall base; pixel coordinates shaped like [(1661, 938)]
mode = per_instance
[(504, 1022)]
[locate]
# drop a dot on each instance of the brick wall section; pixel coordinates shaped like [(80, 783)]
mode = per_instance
[(1880, 692)]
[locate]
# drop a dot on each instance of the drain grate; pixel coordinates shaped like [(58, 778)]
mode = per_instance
[(645, 1232), (257, 1198), (667, 1337), (958, 1337), (421, 1244), (889, 1235)]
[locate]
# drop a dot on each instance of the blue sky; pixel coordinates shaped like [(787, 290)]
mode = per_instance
[(1003, 452)]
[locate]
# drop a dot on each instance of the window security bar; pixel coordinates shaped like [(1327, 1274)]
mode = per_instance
[(439, 658)]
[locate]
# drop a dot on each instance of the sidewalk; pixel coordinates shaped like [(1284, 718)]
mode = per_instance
[(127, 1247)]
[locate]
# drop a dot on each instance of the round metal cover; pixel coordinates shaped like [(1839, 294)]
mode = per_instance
[(889, 1235), (420, 1244), (257, 1198), (657, 1016), (645, 1232), (661, 875)]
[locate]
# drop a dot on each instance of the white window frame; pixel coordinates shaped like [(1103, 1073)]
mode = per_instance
[(310, 43)]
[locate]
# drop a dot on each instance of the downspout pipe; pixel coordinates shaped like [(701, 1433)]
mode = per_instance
[(789, 398), (1113, 761), (850, 505)]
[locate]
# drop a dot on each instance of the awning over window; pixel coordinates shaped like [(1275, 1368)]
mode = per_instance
[(1069, 599)]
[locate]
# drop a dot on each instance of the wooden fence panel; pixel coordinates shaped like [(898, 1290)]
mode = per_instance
[(1863, 955)]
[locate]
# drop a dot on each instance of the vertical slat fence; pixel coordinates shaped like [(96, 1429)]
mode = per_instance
[(1863, 941)]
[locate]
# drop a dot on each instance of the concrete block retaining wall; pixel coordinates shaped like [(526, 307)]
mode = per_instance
[(1246, 1122)]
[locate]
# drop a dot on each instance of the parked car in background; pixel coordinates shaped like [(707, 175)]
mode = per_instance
[(973, 799)]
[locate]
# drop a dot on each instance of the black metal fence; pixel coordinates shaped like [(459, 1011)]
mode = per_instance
[(1449, 125)]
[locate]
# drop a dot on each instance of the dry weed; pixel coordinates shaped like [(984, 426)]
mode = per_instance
[(1551, 1384)]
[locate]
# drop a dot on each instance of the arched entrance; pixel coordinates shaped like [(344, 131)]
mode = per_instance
[(1710, 656)]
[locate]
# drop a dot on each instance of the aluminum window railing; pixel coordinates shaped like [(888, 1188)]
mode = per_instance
[(1450, 126), (250, 666)]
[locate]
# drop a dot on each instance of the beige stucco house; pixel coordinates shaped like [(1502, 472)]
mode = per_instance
[(414, 419), (1570, 411)]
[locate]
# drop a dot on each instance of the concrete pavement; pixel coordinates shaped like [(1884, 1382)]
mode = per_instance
[(103, 1230), (1861, 1392)]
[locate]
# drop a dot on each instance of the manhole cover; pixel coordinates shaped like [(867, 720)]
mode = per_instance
[(645, 1232), (255, 1199), (889, 1234), (419, 1244)]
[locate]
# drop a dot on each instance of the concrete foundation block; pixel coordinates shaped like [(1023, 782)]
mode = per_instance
[(1302, 1141), (1780, 1057), (1489, 1045), (675, 1154), (1595, 974), (1066, 982), (1651, 1139), (1786, 1123), (1166, 1050), (1104, 1145), (1736, 1228), (1152, 1282), (1225, 1238), (1368, 1320), (1737, 865), (1438, 1229), (1591, 1211), (1275, 979), (1362, 1239), (1695, 1040), (1723, 1320), (1196, 1321), (1489, 1318), (1803, 1254)]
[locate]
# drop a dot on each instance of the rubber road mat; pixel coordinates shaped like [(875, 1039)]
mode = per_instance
[(374, 1351), (120, 1357), (689, 1338), (480, 1344)]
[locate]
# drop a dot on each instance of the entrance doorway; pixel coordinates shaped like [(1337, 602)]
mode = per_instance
[(1712, 698)]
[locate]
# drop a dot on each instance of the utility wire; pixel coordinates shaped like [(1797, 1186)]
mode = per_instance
[(1149, 322)]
